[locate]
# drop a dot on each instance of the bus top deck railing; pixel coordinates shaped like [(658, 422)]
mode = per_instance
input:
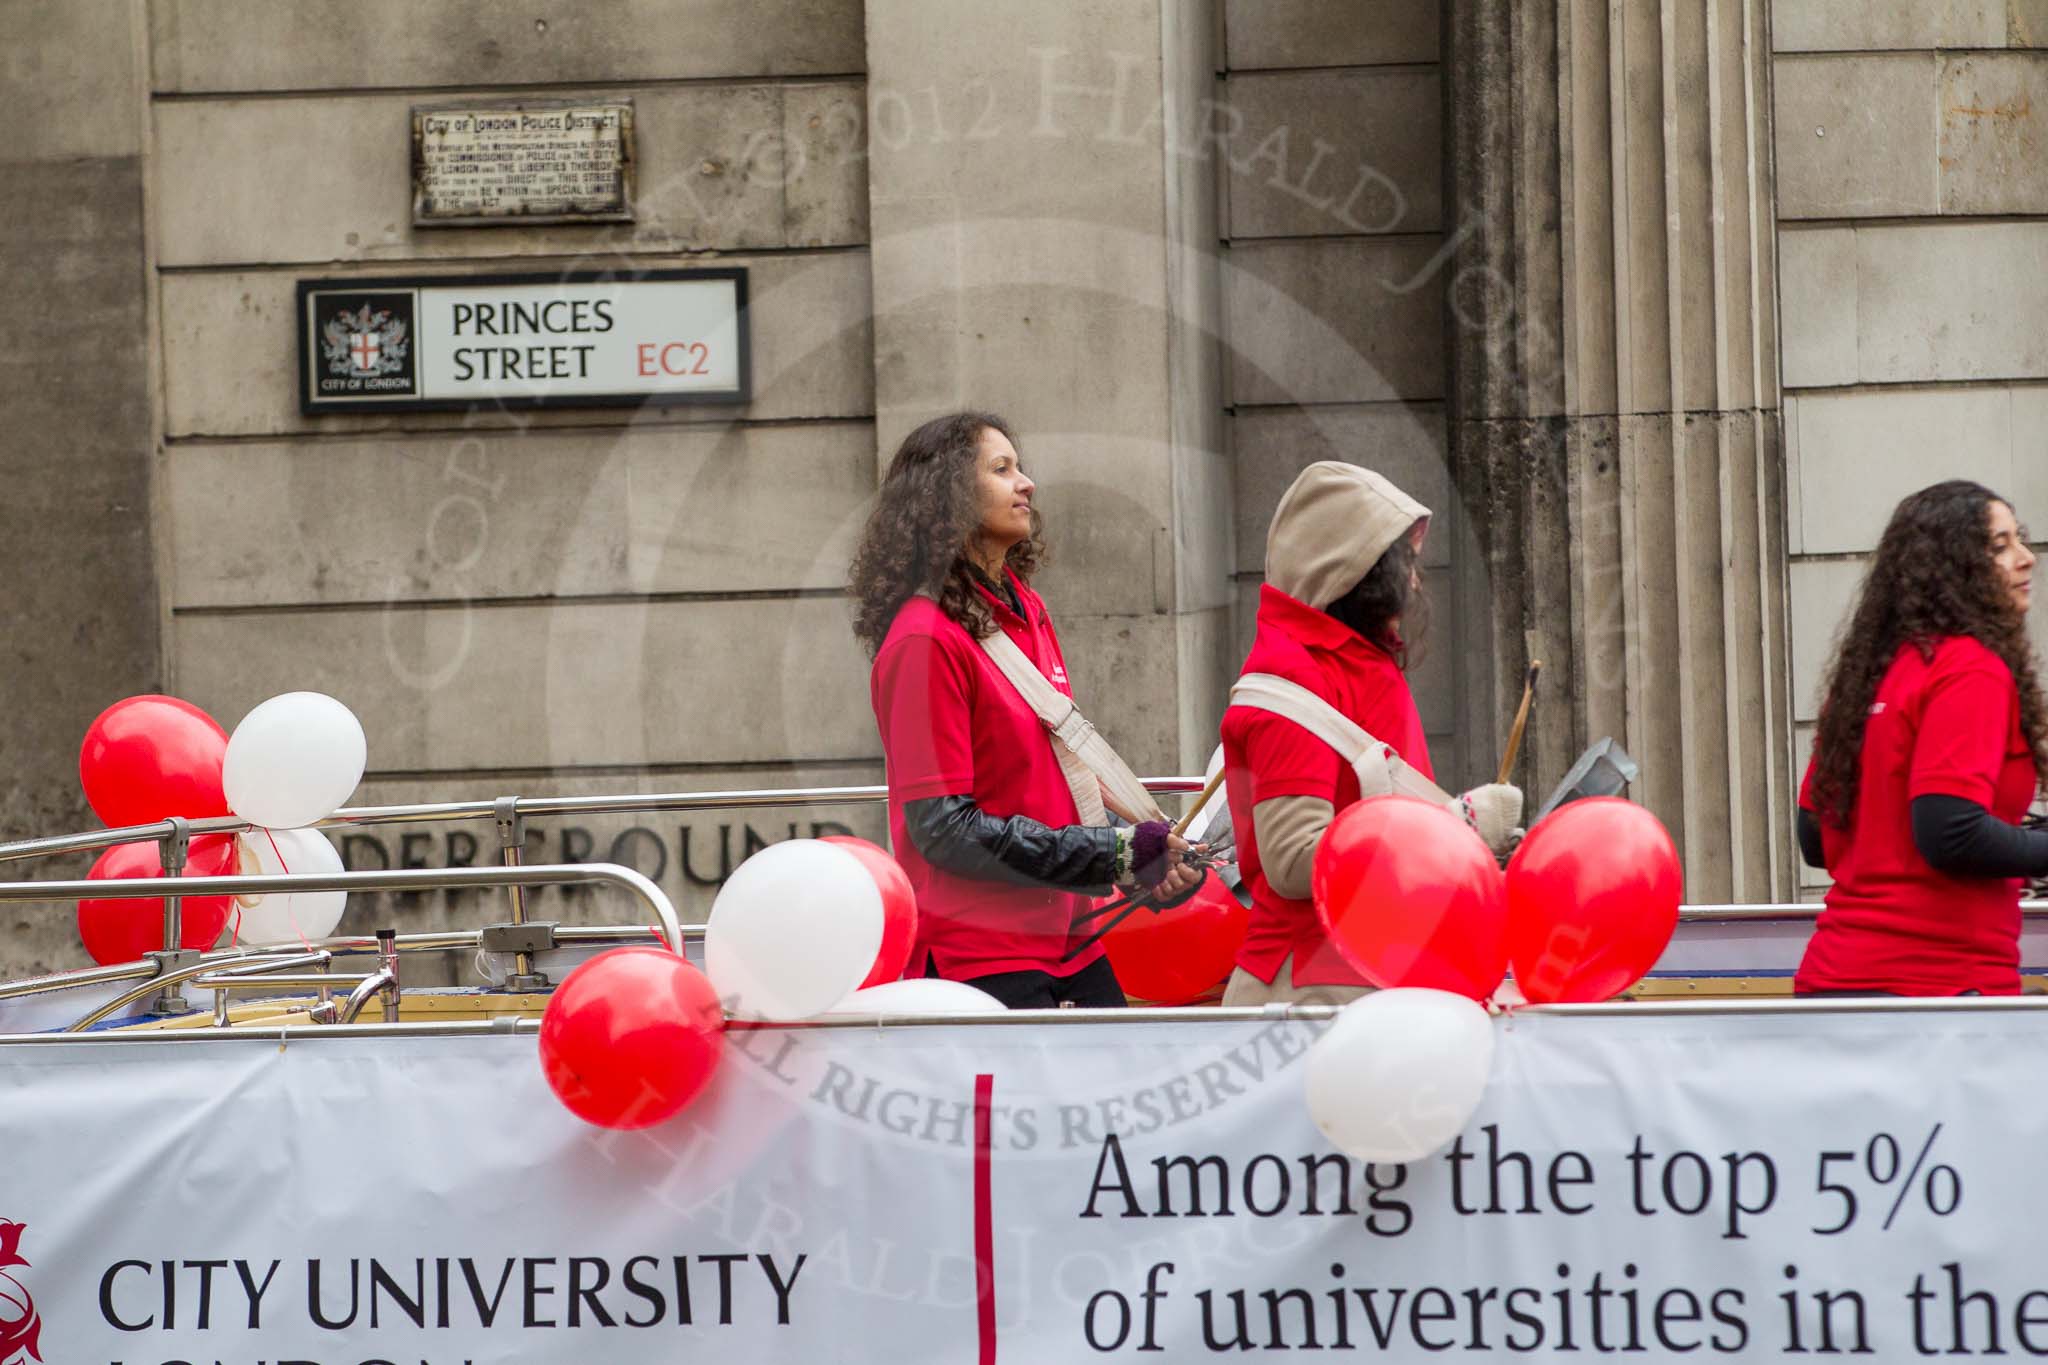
[(512, 809), (499, 808), (164, 973), (509, 814), (273, 1031)]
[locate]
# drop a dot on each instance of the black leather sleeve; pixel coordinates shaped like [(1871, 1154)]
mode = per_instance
[(1963, 839), (1809, 839), (959, 836)]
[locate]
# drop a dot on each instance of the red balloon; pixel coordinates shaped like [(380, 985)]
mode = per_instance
[(150, 757), (1411, 896), (899, 907), (630, 1037), (123, 930), (1178, 955), (1593, 898)]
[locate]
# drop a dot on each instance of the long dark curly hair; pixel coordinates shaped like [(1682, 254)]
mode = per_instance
[(1933, 577), (1389, 606), (918, 536)]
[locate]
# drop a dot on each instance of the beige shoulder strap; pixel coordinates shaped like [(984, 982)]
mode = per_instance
[(1292, 701), (1085, 756)]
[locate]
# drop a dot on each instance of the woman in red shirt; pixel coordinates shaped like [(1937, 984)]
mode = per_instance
[(1932, 739), (1340, 608), (981, 815)]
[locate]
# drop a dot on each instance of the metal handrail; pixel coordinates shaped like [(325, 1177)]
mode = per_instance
[(95, 840), (509, 877), (446, 940), (229, 981), (511, 1026), (435, 941), (509, 813), (407, 879), (178, 976), (404, 879), (1715, 914), (84, 976)]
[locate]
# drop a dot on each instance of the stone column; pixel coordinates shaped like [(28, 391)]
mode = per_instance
[(81, 613), (1614, 401), (1043, 223)]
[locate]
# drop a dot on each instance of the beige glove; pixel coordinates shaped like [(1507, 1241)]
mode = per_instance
[(1375, 773), (1495, 811)]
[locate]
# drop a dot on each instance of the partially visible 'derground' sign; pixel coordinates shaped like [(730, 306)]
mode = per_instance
[(569, 339)]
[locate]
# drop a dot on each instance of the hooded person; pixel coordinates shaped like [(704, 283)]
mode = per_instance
[(1340, 609)]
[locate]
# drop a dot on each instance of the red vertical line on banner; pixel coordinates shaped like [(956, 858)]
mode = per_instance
[(984, 1223)]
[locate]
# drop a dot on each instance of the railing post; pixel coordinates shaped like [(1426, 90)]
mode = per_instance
[(171, 852), (512, 853), (387, 958)]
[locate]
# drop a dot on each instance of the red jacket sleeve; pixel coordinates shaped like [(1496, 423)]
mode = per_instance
[(1965, 718), (1282, 759), (923, 707)]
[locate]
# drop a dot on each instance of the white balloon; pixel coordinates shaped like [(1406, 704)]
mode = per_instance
[(291, 916), (793, 931), (1400, 1073), (918, 995), (293, 760)]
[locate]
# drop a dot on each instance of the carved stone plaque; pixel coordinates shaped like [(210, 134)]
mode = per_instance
[(507, 164)]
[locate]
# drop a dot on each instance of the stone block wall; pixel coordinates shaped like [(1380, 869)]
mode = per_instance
[(1333, 268), (80, 618), (1187, 248), (1913, 236), (574, 601)]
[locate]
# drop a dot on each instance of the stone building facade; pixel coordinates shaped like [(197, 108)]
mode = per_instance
[(1911, 195), (1660, 314)]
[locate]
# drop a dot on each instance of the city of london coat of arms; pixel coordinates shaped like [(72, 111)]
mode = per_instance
[(364, 342)]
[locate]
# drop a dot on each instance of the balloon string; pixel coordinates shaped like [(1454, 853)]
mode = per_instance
[(1125, 908), (1107, 907), (235, 902), (293, 912)]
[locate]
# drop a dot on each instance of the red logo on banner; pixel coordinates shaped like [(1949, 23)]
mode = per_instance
[(19, 1325)]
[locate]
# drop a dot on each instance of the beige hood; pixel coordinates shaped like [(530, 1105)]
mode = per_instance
[(1333, 524)]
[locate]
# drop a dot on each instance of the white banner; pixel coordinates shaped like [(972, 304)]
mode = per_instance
[(1731, 1187)]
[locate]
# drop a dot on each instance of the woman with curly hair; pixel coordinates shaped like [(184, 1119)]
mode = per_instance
[(982, 815), (1933, 737)]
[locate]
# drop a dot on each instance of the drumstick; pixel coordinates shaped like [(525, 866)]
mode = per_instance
[(1507, 761), (1200, 801)]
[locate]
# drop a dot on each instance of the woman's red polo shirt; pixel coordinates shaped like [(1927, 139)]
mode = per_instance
[(1267, 756), (1942, 726), (952, 725)]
